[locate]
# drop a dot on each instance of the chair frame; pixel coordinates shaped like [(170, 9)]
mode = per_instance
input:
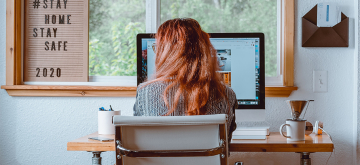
[(222, 150)]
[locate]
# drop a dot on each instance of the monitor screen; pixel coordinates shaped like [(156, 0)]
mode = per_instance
[(240, 58)]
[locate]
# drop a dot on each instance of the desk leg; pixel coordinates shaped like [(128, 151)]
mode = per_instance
[(305, 158), (96, 159)]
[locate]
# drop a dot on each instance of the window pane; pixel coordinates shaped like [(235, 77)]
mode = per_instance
[(113, 26), (226, 16)]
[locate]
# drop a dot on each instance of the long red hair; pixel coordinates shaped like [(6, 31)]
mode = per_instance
[(186, 59)]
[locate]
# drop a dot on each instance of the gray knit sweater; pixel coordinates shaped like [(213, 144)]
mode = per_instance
[(150, 102)]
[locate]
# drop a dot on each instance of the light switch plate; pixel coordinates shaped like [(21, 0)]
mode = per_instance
[(320, 81)]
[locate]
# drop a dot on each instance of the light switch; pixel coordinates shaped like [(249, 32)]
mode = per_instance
[(320, 81)]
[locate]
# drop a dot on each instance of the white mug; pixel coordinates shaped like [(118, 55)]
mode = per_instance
[(105, 125), (295, 130)]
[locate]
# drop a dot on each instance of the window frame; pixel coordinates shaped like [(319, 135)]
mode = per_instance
[(14, 64)]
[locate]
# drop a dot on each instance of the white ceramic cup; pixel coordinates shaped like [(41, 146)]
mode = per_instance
[(295, 130), (105, 125)]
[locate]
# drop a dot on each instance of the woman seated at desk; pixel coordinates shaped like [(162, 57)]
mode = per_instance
[(186, 81)]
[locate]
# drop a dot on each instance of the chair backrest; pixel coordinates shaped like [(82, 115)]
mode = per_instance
[(175, 140)]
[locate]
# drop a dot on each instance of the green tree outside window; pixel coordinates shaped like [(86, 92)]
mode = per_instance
[(114, 25)]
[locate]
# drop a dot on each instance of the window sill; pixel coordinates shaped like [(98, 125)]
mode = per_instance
[(106, 91), (69, 91), (279, 91)]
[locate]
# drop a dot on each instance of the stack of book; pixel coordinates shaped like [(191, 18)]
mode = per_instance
[(250, 133)]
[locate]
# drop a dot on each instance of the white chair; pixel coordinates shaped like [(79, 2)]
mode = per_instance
[(171, 140)]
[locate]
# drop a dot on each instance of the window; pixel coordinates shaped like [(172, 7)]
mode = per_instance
[(113, 25), (115, 55), (232, 16)]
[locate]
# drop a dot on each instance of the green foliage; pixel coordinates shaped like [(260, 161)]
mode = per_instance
[(231, 16), (115, 23)]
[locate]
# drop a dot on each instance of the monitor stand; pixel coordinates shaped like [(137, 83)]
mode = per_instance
[(242, 115)]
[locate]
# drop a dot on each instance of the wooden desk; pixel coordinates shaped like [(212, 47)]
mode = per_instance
[(85, 144), (277, 143), (274, 143)]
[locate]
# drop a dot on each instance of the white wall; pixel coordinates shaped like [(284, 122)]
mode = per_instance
[(357, 91), (35, 130)]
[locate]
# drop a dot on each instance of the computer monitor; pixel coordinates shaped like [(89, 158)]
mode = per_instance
[(240, 57)]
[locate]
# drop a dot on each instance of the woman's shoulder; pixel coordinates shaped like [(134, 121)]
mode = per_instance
[(230, 91), (231, 95), (151, 85)]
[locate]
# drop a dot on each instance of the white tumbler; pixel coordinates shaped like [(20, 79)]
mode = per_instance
[(105, 125)]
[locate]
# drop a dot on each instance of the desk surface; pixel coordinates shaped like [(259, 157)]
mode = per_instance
[(277, 143), (85, 144), (274, 143)]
